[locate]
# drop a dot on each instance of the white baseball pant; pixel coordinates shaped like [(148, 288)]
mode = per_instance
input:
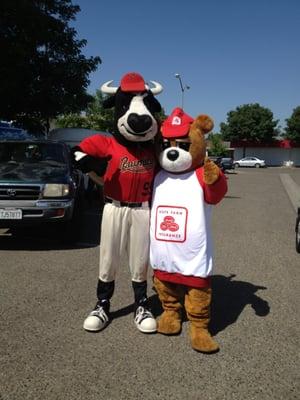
[(124, 239)]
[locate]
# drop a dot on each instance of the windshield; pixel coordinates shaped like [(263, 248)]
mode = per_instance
[(30, 152)]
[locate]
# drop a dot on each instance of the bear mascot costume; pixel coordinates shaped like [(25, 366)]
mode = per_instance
[(180, 235), (127, 162)]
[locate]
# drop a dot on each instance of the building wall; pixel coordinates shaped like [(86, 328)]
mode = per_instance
[(272, 155)]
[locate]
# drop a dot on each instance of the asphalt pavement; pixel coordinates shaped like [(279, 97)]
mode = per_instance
[(47, 289)]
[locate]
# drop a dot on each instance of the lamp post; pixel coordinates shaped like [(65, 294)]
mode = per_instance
[(182, 87)]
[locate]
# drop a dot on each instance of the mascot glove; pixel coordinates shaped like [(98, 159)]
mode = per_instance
[(211, 172), (78, 155), (87, 163)]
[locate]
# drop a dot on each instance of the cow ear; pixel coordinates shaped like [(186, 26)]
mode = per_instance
[(153, 102), (157, 106), (109, 102)]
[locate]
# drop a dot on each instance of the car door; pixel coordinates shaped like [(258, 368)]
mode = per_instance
[(251, 162), (245, 162)]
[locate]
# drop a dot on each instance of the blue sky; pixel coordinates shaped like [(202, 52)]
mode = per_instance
[(229, 52)]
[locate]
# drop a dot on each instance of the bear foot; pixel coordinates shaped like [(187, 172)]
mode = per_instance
[(202, 341), (169, 323)]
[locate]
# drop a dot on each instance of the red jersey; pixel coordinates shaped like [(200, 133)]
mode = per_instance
[(130, 171)]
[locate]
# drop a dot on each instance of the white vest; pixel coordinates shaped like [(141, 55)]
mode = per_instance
[(180, 233)]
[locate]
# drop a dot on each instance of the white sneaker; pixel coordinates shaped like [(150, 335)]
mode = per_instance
[(144, 320), (98, 319)]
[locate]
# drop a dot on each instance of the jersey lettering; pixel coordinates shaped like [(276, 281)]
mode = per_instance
[(137, 166)]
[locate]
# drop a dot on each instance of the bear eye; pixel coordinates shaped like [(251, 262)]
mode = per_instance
[(166, 144), (183, 145)]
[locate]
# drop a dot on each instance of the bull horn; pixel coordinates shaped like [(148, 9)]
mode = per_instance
[(105, 88), (156, 89)]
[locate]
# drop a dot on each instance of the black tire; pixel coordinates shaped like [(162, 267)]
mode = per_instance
[(297, 230)]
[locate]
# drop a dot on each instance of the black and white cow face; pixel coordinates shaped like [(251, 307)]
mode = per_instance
[(134, 114)]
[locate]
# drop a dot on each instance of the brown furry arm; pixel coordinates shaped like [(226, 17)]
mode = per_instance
[(213, 193), (211, 172)]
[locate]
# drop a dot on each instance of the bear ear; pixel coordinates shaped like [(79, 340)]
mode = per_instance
[(203, 122)]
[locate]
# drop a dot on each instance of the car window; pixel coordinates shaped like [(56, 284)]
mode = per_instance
[(30, 152)]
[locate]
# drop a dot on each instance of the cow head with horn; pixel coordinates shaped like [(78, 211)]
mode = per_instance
[(135, 107)]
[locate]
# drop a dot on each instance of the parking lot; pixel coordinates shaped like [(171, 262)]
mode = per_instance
[(47, 289)]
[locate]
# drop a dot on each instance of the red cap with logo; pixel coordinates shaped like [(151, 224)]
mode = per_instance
[(133, 82), (177, 124)]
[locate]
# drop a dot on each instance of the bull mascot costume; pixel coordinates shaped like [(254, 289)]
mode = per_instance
[(127, 162)]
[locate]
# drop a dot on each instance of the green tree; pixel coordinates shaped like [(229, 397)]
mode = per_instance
[(250, 122), (292, 130), (217, 147), (72, 120), (100, 117), (95, 116), (42, 71)]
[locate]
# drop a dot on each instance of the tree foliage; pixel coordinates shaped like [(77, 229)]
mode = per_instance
[(250, 122), (217, 148), (95, 117), (292, 130), (42, 72)]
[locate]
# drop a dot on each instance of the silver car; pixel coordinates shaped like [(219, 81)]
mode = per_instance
[(250, 162)]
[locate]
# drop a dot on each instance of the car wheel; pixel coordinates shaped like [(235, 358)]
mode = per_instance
[(236, 165), (298, 234), (257, 165)]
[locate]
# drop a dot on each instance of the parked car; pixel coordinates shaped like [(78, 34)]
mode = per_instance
[(39, 185), (297, 229), (72, 137), (227, 163), (250, 162)]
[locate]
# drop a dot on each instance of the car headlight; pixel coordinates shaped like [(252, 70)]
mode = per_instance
[(56, 190)]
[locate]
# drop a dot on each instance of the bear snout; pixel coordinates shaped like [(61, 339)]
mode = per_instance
[(172, 155)]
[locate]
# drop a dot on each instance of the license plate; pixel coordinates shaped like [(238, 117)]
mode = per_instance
[(10, 214)]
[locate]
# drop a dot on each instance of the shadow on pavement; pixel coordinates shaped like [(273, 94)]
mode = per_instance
[(230, 298), (129, 309), (122, 311)]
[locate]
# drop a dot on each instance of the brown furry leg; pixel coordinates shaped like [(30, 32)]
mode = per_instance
[(170, 320), (197, 305)]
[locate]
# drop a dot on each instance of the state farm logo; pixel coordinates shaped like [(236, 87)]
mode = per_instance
[(169, 224)]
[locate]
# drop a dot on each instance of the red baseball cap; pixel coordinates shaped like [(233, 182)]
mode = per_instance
[(133, 82), (177, 124)]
